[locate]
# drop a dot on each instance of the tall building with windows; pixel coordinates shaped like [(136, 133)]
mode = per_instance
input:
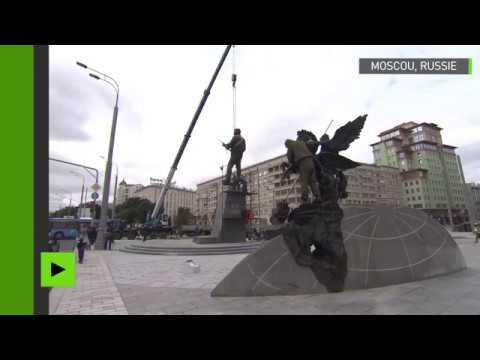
[(429, 169), (125, 191), (368, 185), (473, 200), (176, 197)]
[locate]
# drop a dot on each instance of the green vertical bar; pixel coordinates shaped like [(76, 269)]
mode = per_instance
[(470, 66), (16, 147)]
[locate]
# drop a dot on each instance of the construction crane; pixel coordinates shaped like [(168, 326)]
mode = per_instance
[(154, 222)]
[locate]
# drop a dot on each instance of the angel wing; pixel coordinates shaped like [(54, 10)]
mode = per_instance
[(346, 134), (330, 161)]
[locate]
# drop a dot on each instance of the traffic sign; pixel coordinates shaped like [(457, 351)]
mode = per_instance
[(95, 187), (94, 196)]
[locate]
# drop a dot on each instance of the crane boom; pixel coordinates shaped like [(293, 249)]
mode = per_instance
[(206, 93)]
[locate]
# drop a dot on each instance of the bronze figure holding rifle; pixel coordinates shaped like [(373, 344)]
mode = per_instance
[(237, 147)]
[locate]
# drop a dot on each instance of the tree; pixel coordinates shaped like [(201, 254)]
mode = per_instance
[(72, 211), (184, 217), (134, 210), (66, 211)]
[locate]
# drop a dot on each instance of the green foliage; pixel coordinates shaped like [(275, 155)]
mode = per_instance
[(66, 211), (134, 210), (184, 217), (72, 211)]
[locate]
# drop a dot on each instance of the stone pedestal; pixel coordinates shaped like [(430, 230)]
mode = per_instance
[(230, 223)]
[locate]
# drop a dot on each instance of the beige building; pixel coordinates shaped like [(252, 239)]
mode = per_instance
[(125, 191), (368, 185), (372, 185), (176, 197)]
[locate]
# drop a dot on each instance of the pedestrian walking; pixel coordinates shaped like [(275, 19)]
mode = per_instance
[(476, 231), (108, 238), (92, 236), (82, 241)]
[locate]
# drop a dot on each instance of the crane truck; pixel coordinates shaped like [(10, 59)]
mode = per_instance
[(156, 224)]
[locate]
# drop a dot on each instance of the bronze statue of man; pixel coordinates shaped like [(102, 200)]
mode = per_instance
[(300, 158), (237, 147)]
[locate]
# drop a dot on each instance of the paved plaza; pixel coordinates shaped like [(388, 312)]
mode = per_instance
[(121, 283)]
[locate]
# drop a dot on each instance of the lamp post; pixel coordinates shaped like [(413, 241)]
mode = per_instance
[(258, 195), (108, 170), (88, 170), (221, 192), (115, 189), (81, 196)]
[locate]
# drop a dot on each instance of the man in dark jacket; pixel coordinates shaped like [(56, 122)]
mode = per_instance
[(237, 147), (82, 241), (92, 236), (108, 237), (300, 157)]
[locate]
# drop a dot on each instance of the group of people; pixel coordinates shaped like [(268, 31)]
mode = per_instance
[(87, 237)]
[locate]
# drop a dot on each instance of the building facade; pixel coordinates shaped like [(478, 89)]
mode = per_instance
[(430, 171), (374, 185), (176, 197), (368, 185), (125, 191), (473, 200)]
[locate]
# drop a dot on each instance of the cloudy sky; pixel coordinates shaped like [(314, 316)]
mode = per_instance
[(280, 89)]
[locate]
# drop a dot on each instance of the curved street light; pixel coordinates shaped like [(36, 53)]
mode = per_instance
[(108, 171)]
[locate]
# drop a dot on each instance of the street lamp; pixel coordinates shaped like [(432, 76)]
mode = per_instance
[(108, 171), (81, 196), (115, 188), (89, 170)]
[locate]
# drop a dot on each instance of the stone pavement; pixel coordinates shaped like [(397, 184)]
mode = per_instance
[(95, 292), (152, 284)]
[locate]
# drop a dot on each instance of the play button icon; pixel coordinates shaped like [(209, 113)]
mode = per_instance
[(55, 269), (58, 269)]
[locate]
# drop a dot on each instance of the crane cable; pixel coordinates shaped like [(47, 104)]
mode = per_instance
[(234, 89)]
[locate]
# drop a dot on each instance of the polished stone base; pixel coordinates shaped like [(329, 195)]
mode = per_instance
[(384, 246), (229, 225)]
